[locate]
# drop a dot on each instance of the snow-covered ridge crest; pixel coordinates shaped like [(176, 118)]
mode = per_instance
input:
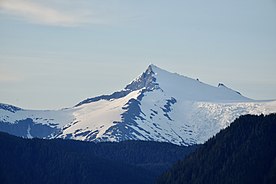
[(144, 81), (10, 108), (158, 105), (186, 88)]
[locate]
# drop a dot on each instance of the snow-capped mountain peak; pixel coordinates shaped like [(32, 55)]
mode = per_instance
[(183, 87), (158, 105)]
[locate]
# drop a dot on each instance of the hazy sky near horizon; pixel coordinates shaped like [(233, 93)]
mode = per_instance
[(56, 53)]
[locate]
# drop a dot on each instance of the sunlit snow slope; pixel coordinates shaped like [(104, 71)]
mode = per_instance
[(157, 106)]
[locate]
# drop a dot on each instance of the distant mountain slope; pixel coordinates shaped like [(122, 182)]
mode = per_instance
[(157, 106), (243, 153), (65, 161)]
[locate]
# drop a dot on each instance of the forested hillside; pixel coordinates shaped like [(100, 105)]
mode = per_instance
[(243, 153), (68, 161)]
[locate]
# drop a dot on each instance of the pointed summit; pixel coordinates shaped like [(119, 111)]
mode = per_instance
[(174, 85), (149, 70), (152, 69), (145, 80), (155, 69)]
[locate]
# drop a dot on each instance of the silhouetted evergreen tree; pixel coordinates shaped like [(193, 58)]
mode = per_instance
[(243, 153)]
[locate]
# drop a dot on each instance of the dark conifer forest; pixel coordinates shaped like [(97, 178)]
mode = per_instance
[(67, 161), (243, 153)]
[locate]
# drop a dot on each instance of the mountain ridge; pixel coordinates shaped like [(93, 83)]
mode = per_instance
[(157, 106)]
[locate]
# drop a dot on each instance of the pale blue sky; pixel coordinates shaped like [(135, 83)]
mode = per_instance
[(56, 53)]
